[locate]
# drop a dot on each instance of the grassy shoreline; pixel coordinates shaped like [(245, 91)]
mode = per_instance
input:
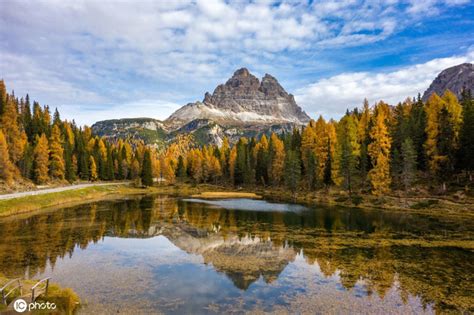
[(430, 205)]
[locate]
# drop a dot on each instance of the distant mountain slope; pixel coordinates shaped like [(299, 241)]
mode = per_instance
[(454, 79), (243, 106)]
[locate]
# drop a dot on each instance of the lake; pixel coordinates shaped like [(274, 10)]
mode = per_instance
[(159, 254)]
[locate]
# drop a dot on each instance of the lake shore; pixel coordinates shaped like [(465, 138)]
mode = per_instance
[(430, 205)]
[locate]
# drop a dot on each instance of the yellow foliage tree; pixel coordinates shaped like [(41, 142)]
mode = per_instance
[(379, 151), (6, 166), (41, 159), (167, 171), (15, 137), (232, 161), (93, 169), (308, 142), (277, 152), (56, 154)]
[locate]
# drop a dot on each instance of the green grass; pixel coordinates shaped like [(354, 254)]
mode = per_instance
[(30, 203)]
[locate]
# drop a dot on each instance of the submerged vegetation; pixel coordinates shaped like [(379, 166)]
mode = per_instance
[(368, 253)]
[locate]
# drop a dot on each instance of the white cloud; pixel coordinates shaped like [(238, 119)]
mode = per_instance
[(104, 52), (331, 97)]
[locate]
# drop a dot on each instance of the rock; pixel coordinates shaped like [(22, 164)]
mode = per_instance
[(243, 100), (454, 79)]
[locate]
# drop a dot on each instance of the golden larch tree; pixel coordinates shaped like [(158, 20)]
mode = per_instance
[(15, 137), (277, 152), (56, 154), (379, 151), (93, 169), (6, 166), (41, 159)]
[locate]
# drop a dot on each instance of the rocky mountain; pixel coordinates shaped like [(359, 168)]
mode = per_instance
[(243, 100), (454, 79), (243, 106)]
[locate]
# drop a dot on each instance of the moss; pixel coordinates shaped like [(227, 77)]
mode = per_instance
[(357, 199), (425, 204)]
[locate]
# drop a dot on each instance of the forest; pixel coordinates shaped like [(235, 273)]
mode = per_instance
[(373, 149)]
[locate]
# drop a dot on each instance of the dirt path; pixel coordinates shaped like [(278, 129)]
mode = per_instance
[(54, 190)]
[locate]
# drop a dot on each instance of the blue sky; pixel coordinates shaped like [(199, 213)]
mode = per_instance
[(98, 60)]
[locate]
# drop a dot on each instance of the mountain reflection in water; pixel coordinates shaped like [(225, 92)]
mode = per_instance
[(183, 256)]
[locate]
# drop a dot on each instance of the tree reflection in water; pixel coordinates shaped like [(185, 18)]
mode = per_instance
[(369, 252)]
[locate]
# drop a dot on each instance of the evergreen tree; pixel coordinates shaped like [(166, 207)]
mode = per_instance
[(327, 179), (3, 97), (292, 170), (26, 163), (110, 172), (409, 163), (147, 176), (261, 168), (417, 127), (466, 152), (181, 168), (348, 149)]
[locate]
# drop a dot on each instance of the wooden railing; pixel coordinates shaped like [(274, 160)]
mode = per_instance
[(13, 284), (41, 287)]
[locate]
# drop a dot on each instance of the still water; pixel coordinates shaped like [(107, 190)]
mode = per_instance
[(189, 256)]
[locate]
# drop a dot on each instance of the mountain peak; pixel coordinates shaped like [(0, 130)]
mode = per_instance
[(454, 78), (242, 72), (244, 99)]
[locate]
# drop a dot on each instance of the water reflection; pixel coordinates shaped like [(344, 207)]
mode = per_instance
[(182, 256)]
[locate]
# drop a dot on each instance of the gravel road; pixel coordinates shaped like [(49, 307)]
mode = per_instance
[(53, 190)]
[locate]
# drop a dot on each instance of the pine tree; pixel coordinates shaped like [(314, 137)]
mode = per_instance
[(41, 159), (417, 127), (181, 168), (261, 157), (224, 158), (109, 166), (292, 170), (56, 154), (328, 178), (26, 163), (3, 97), (6, 167), (56, 117), (147, 176), (379, 151), (348, 149), (409, 163), (466, 152)]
